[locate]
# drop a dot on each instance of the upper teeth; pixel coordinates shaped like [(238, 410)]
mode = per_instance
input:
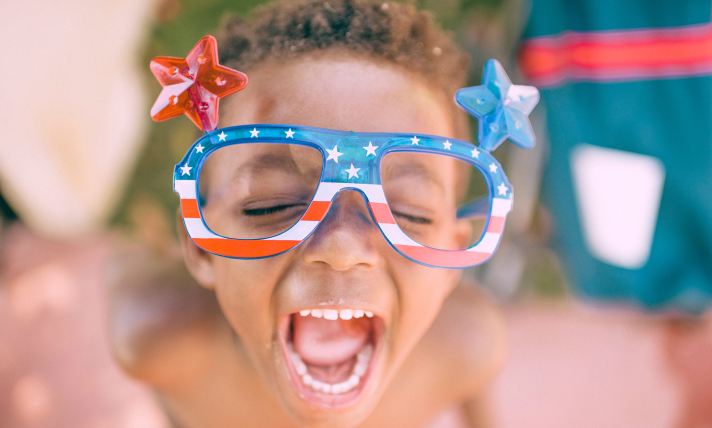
[(332, 314)]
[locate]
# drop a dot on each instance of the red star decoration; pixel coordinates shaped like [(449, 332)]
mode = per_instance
[(193, 86)]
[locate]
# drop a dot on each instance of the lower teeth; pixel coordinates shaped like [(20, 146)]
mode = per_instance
[(363, 358)]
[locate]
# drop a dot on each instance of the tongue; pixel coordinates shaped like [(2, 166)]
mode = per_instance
[(325, 342)]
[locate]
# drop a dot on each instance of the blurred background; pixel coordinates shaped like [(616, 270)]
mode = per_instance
[(605, 272)]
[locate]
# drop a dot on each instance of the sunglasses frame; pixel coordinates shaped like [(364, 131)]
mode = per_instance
[(363, 152)]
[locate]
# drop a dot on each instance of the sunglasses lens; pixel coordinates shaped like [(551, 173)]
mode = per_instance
[(437, 200), (257, 190)]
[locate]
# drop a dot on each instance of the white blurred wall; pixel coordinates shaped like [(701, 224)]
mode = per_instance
[(72, 108)]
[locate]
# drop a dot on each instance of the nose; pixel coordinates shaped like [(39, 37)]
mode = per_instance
[(346, 238)]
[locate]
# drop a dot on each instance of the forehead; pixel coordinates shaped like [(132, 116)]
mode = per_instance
[(340, 92)]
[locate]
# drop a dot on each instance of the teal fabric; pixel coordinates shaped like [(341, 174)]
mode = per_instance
[(670, 119)]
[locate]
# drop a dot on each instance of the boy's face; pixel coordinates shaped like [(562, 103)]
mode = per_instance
[(346, 264)]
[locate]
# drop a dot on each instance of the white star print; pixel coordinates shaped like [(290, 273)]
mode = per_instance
[(185, 170), (222, 136), (447, 144), (371, 149), (334, 154), (290, 133), (353, 172), (254, 133), (493, 168), (415, 140), (502, 189), (199, 148), (475, 153)]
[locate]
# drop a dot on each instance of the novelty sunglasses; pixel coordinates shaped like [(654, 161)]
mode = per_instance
[(260, 190)]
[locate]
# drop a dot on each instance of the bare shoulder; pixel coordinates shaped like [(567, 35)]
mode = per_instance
[(468, 340), (160, 321), (452, 365)]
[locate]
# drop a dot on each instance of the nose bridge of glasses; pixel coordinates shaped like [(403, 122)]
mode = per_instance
[(372, 194), (350, 159)]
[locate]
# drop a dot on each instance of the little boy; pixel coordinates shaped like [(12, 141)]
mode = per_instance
[(401, 341)]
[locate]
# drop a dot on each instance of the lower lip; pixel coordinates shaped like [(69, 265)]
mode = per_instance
[(322, 400)]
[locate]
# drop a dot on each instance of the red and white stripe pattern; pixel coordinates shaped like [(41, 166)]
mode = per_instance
[(255, 248), (477, 254), (618, 55)]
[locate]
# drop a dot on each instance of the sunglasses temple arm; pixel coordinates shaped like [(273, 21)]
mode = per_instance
[(478, 208)]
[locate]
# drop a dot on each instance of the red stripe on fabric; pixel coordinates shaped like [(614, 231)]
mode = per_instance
[(189, 208), (496, 225), (443, 258), (317, 210), (615, 55), (244, 249), (382, 213)]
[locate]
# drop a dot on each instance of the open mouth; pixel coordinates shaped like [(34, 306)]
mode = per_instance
[(330, 353)]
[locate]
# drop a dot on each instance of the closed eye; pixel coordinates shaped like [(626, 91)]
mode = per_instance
[(270, 210), (412, 219)]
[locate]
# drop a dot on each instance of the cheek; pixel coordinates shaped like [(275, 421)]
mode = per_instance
[(421, 291), (427, 289), (450, 236), (245, 294)]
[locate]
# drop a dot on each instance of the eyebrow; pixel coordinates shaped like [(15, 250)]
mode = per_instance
[(404, 170), (267, 162)]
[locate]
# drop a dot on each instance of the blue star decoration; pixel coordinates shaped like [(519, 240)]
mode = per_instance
[(501, 108)]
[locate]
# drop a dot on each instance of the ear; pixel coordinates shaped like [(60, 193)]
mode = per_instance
[(463, 233), (199, 262)]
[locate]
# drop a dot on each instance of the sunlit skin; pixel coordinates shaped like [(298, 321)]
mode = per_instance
[(346, 263)]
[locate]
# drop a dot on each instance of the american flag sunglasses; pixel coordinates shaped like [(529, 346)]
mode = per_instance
[(349, 161), (336, 161)]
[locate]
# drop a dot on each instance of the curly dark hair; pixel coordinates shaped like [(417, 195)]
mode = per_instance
[(391, 31)]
